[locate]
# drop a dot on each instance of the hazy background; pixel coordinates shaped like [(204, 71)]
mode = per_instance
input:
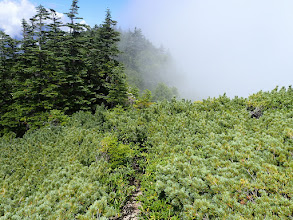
[(92, 12), (238, 47), (233, 46)]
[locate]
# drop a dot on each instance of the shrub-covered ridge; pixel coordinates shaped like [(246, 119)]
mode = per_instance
[(62, 173), (211, 159)]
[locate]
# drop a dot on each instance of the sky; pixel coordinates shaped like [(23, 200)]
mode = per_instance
[(92, 12), (237, 47)]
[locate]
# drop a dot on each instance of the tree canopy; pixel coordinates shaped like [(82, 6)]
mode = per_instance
[(53, 69)]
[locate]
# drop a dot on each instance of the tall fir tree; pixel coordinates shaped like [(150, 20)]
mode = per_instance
[(8, 56), (72, 87), (34, 96), (111, 72), (55, 69)]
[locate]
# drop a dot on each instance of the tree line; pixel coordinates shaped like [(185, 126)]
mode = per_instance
[(56, 66)]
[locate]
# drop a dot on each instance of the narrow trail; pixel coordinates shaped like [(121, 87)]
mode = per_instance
[(131, 209)]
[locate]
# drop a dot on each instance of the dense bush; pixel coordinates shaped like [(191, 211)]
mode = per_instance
[(60, 172), (212, 159), (201, 160)]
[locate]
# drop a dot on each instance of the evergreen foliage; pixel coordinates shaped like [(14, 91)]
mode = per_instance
[(8, 51), (219, 158), (201, 160), (211, 159), (61, 172), (50, 68), (163, 92)]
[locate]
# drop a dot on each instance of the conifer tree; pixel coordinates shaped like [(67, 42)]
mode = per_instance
[(40, 32), (110, 71), (56, 34), (8, 55), (14, 118), (55, 69), (57, 52), (72, 87), (34, 95), (72, 15)]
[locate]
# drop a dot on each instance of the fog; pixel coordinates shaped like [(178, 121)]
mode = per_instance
[(233, 47)]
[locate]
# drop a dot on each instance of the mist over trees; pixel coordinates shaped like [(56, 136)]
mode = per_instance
[(147, 66), (50, 68), (84, 133), (71, 67)]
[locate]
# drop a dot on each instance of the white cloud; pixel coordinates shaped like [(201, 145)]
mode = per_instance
[(238, 47), (63, 17), (13, 11), (83, 22), (11, 14)]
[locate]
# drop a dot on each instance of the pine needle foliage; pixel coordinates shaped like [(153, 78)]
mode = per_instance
[(61, 172), (211, 159), (195, 160), (54, 69)]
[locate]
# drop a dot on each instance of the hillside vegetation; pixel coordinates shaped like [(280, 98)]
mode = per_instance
[(219, 158), (51, 69), (79, 137)]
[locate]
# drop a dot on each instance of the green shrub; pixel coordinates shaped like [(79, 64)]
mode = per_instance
[(117, 154), (202, 160), (57, 117)]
